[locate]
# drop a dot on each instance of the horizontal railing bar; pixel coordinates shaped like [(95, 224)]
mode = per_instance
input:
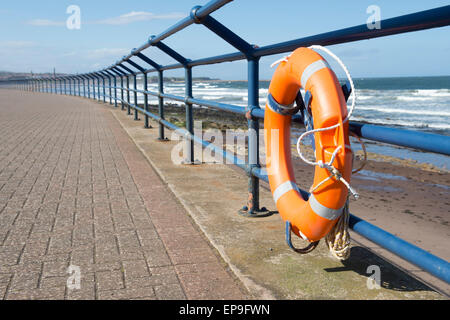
[(438, 17), (411, 253), (404, 138)]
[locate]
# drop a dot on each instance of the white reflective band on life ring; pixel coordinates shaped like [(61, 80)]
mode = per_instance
[(311, 69), (283, 188), (321, 210)]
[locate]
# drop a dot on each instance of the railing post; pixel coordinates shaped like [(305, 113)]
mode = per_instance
[(104, 88), (141, 69), (93, 88), (136, 115), (147, 123), (128, 95), (98, 87), (252, 208), (109, 89), (115, 91), (161, 103), (122, 93), (118, 73), (189, 117), (89, 87)]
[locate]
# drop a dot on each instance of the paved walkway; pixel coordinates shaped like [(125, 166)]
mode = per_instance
[(75, 191)]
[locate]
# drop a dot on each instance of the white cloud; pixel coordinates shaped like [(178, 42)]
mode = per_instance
[(46, 23), (136, 16)]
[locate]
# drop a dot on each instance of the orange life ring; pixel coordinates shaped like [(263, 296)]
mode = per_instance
[(313, 218)]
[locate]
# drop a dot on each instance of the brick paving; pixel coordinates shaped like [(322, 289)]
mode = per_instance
[(76, 191)]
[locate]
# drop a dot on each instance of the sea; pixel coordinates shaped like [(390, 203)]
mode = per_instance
[(415, 103)]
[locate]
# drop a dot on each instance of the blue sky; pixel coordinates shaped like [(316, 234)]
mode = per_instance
[(37, 39)]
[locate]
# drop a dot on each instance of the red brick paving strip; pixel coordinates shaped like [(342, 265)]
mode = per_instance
[(75, 190)]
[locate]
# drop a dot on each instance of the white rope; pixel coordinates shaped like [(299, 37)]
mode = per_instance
[(338, 239), (284, 59), (329, 166)]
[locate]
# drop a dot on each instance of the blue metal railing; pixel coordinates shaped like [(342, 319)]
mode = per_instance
[(96, 81)]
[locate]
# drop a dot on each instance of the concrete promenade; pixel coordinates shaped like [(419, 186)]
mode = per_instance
[(76, 191)]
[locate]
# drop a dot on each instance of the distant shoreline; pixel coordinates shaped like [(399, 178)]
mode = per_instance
[(7, 75)]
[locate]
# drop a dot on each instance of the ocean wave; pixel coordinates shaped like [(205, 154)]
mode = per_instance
[(408, 98), (407, 111), (402, 123), (433, 92), (211, 97)]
